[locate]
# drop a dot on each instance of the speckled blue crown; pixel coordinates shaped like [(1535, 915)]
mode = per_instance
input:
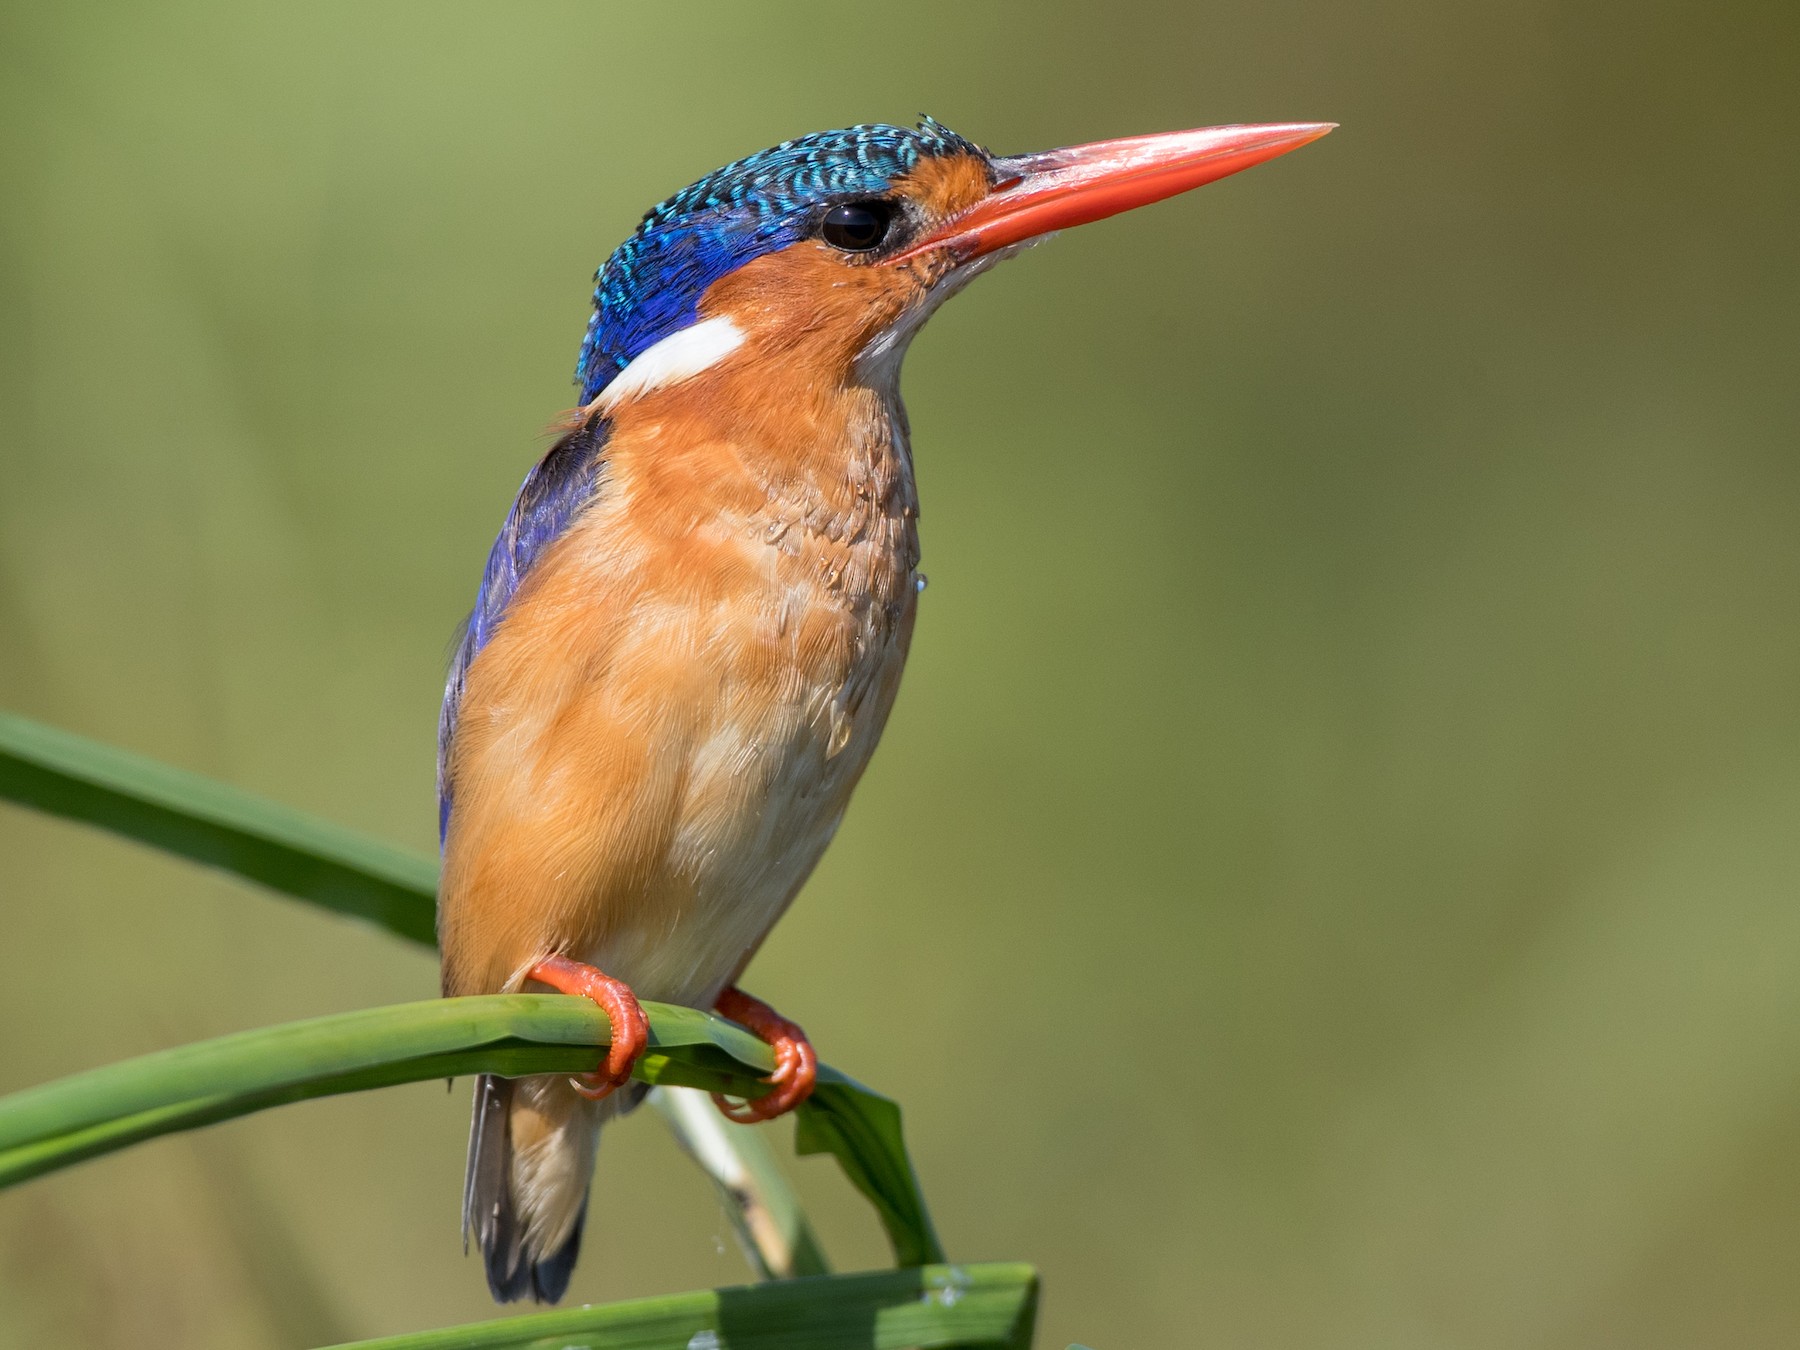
[(651, 285)]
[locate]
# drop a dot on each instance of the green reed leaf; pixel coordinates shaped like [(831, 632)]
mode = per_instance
[(67, 1121), (59, 1123), (213, 823), (930, 1306)]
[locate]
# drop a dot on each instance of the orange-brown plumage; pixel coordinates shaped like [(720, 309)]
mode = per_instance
[(744, 572)]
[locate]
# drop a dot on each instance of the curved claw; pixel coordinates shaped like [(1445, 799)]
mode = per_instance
[(796, 1066), (630, 1028)]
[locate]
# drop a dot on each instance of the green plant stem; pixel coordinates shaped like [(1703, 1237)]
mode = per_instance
[(214, 823), (930, 1306), (61, 1123), (94, 1112)]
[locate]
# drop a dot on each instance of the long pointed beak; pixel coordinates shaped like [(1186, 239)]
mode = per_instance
[(1059, 188)]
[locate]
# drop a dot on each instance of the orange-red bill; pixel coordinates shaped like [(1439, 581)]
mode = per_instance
[(1079, 183)]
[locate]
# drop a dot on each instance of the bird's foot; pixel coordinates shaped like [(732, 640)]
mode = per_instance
[(796, 1066), (630, 1028)]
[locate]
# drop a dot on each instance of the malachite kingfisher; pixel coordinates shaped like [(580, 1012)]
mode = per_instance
[(691, 628)]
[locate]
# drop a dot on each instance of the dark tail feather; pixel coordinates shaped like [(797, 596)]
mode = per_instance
[(550, 1277), (489, 1212)]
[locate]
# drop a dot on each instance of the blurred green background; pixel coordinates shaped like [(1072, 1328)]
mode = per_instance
[(1360, 668)]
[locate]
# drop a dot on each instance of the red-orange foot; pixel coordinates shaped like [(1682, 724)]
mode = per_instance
[(630, 1028), (796, 1066)]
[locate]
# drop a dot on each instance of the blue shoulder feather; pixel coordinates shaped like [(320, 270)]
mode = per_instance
[(553, 494)]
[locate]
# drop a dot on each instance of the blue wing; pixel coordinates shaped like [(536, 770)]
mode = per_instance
[(553, 494)]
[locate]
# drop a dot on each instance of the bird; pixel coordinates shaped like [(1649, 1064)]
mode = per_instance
[(691, 629)]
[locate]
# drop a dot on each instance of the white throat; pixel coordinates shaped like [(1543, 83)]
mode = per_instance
[(878, 364)]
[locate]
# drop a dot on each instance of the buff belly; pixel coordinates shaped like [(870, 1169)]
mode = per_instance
[(643, 782), (764, 794), (645, 774)]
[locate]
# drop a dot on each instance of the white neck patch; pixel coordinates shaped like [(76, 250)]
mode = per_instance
[(677, 357)]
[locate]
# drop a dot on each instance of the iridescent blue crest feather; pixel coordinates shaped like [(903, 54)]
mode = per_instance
[(651, 285)]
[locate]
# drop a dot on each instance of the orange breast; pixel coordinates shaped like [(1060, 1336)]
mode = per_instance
[(661, 737)]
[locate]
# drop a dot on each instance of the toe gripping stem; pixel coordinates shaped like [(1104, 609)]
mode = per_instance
[(796, 1066), (630, 1028)]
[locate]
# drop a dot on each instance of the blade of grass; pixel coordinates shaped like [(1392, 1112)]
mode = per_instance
[(931, 1306), (861, 1129), (210, 822), (88, 1114), (58, 1123)]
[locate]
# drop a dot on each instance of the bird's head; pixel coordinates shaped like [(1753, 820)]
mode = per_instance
[(831, 250)]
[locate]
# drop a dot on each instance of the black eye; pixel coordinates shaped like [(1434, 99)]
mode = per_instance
[(857, 227)]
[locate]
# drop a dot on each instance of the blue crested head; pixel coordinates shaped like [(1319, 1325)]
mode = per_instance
[(653, 282)]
